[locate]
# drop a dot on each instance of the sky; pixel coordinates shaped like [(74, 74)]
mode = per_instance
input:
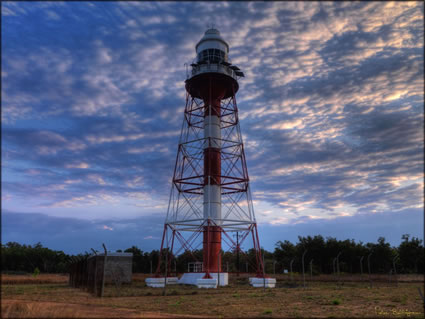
[(331, 112)]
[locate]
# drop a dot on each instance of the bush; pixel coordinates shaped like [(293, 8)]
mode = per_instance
[(36, 272), (336, 301)]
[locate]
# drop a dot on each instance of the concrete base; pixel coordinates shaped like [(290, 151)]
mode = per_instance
[(258, 282), (191, 278), (206, 283), (172, 280), (159, 282)]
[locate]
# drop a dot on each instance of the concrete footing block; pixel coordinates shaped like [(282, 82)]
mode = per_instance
[(258, 282), (172, 280), (191, 278), (159, 282), (206, 283)]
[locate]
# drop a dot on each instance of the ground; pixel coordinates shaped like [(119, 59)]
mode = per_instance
[(50, 296)]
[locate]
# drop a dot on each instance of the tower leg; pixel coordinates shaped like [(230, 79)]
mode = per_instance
[(171, 253), (158, 267), (258, 256)]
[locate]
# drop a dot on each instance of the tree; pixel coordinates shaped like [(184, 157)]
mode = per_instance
[(138, 259), (17, 257), (411, 255), (315, 247), (284, 252), (382, 256)]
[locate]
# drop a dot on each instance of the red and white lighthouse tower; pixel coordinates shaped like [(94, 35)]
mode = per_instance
[(210, 194)]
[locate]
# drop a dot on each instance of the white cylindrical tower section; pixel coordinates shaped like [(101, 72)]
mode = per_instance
[(212, 203), (212, 191), (212, 131)]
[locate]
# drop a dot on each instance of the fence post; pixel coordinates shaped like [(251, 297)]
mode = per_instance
[(303, 267), (86, 269), (337, 267), (166, 268), (368, 267), (95, 272), (264, 272), (166, 264), (290, 267), (104, 271), (311, 270), (361, 265), (219, 266), (395, 271)]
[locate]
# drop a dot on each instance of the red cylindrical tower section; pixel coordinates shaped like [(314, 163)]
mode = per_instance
[(212, 150), (211, 248)]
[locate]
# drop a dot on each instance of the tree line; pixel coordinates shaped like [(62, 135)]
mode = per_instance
[(408, 257)]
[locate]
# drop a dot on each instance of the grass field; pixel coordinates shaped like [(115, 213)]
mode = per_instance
[(50, 296)]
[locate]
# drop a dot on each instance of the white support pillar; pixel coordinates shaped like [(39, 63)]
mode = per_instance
[(212, 193)]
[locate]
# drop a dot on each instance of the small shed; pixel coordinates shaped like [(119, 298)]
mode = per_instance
[(119, 267)]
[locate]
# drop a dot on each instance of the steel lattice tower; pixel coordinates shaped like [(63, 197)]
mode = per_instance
[(210, 192)]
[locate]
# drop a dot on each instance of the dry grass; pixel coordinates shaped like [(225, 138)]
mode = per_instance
[(25, 309), (319, 299), (29, 279)]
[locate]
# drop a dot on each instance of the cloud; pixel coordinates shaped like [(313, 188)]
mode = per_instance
[(74, 236), (331, 108), (77, 165), (52, 15)]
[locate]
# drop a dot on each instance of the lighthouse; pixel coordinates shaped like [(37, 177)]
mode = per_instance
[(210, 197), (212, 80)]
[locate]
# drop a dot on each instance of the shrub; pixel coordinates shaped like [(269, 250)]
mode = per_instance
[(36, 272), (336, 301)]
